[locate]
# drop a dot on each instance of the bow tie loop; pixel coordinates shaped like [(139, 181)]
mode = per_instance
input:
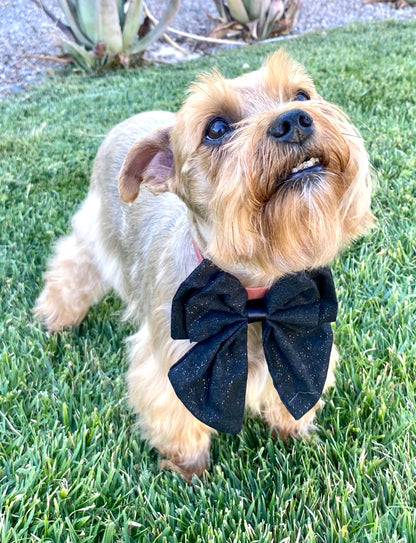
[(303, 300), (197, 314)]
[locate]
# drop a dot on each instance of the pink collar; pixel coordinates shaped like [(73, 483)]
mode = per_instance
[(253, 293)]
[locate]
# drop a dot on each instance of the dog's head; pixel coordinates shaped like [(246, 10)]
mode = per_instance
[(276, 178)]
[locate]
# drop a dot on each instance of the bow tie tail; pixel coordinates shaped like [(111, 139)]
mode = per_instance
[(298, 366), (211, 380)]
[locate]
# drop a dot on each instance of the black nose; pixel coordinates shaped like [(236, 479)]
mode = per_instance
[(293, 126)]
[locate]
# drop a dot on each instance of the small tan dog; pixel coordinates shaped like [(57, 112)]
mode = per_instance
[(260, 175)]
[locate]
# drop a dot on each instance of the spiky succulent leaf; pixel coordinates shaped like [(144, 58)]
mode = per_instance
[(253, 8), (219, 4), (158, 30), (81, 57), (87, 17), (132, 23), (238, 11), (121, 14), (71, 15), (109, 29), (275, 12), (263, 12)]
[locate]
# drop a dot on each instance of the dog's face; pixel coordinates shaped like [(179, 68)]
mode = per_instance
[(276, 179)]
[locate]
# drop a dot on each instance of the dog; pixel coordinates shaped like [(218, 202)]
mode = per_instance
[(257, 178)]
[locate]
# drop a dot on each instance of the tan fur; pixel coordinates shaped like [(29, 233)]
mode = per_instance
[(232, 199)]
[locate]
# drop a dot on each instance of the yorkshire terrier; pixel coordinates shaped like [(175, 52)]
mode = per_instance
[(197, 220)]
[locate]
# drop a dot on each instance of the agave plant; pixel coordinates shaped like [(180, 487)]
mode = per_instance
[(101, 32), (399, 4), (260, 18)]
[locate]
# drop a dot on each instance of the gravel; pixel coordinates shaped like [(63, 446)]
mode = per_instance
[(26, 33)]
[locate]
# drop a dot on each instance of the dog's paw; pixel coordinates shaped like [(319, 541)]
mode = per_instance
[(186, 468)]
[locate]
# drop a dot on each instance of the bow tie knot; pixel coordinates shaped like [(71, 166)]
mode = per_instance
[(211, 308)]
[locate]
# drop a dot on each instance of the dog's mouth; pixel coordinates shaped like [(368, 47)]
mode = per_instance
[(308, 166)]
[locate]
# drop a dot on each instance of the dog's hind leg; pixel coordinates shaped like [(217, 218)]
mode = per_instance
[(73, 280)]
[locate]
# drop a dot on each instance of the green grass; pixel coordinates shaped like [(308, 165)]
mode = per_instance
[(72, 467)]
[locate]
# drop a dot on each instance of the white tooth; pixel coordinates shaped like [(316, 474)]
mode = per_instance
[(306, 164)]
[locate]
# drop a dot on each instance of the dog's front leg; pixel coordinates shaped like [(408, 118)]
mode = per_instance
[(284, 425), (165, 422), (279, 418)]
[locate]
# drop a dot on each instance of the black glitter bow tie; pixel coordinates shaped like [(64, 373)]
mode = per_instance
[(211, 308)]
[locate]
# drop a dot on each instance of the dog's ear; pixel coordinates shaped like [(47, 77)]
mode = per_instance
[(148, 161)]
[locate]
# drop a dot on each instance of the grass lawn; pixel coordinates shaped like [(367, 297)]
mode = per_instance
[(72, 467)]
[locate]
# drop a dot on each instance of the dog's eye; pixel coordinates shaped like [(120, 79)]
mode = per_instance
[(302, 95), (216, 130)]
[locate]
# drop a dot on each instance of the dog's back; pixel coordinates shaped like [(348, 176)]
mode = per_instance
[(106, 231)]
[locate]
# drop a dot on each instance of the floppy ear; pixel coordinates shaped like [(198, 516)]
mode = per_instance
[(148, 161)]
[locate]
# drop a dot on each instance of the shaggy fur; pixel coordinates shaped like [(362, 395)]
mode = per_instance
[(158, 185)]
